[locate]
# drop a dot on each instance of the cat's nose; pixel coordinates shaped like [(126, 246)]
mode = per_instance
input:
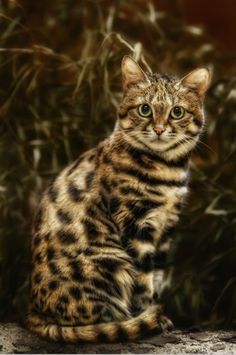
[(159, 130)]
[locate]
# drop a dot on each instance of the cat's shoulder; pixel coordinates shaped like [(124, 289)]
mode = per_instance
[(84, 161)]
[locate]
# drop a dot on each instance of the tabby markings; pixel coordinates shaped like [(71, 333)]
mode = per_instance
[(75, 193), (64, 217), (66, 237)]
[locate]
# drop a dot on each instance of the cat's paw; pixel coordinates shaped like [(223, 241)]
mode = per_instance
[(140, 304), (166, 323)]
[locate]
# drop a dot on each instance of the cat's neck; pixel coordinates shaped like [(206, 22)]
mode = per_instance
[(121, 143)]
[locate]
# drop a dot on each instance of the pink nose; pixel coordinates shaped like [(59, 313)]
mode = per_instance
[(159, 130)]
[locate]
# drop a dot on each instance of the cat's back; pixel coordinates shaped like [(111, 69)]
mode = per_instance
[(61, 216), (75, 180), (69, 190)]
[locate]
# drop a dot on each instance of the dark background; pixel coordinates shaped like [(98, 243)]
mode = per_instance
[(59, 92), (216, 17)]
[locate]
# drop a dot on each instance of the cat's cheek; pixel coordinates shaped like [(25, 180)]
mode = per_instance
[(193, 129), (125, 123)]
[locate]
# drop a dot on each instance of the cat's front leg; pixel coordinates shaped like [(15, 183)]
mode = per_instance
[(142, 252), (160, 264), (143, 292), (158, 285)]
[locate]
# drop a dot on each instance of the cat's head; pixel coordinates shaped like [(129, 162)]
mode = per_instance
[(162, 112)]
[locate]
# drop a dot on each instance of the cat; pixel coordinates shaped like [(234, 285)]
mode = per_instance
[(101, 233)]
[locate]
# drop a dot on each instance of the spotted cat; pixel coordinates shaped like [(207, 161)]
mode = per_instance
[(101, 233)]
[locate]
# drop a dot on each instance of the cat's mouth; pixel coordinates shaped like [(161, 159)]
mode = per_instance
[(162, 138), (162, 142), (160, 134)]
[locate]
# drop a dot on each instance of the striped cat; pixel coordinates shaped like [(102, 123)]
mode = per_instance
[(101, 234)]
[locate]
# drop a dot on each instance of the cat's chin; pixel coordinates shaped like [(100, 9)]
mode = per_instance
[(159, 145)]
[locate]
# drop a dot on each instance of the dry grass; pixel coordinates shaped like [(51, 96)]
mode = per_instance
[(60, 88)]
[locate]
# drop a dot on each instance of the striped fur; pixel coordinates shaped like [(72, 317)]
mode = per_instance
[(102, 231)]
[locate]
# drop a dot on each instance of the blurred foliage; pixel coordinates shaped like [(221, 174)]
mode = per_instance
[(60, 88)]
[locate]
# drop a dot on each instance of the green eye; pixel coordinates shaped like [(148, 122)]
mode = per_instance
[(145, 110), (177, 112)]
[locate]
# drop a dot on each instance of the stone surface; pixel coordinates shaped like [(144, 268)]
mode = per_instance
[(14, 339)]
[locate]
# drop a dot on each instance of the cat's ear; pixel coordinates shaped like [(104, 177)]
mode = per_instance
[(131, 72), (198, 80)]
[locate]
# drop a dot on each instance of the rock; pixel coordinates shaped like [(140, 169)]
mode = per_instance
[(161, 339), (201, 336), (231, 338), (14, 339), (218, 346)]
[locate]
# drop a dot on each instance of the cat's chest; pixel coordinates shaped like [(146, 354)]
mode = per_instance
[(174, 195), (171, 186), (169, 200)]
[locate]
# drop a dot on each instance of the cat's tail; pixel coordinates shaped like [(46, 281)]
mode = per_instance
[(152, 321)]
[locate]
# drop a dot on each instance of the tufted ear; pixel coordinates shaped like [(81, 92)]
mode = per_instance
[(198, 80), (131, 72)]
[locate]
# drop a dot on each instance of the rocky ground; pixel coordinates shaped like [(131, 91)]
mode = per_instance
[(14, 339)]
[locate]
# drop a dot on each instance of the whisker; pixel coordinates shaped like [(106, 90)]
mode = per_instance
[(181, 138), (201, 142), (207, 146)]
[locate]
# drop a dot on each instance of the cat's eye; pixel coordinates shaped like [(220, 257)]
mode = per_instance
[(145, 110), (177, 112)]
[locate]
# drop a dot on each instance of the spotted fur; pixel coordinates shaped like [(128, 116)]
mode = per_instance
[(102, 231)]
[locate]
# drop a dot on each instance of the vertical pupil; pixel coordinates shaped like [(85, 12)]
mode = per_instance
[(145, 108), (177, 111)]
